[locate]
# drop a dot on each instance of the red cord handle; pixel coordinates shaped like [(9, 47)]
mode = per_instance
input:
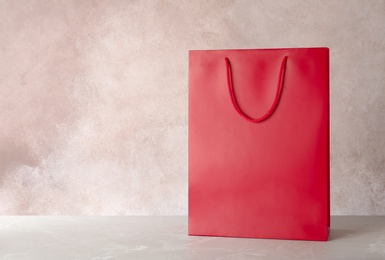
[(276, 98)]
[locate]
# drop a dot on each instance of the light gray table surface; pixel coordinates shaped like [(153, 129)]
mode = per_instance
[(165, 237)]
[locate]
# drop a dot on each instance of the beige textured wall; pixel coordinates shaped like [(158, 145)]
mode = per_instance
[(93, 97)]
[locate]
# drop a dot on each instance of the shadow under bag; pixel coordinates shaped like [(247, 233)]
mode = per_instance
[(258, 136)]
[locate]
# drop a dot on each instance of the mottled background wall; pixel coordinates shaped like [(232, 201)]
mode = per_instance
[(93, 97)]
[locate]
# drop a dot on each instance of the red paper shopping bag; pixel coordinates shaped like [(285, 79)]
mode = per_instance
[(258, 139)]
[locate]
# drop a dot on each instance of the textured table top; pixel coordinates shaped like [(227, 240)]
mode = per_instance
[(154, 237)]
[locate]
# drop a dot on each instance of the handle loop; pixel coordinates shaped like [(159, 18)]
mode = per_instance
[(276, 98)]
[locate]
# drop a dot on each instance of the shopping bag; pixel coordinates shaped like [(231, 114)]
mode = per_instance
[(258, 143)]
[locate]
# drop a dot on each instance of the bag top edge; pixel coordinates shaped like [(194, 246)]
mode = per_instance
[(261, 49)]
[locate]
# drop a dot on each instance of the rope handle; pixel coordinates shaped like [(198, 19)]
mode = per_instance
[(276, 98)]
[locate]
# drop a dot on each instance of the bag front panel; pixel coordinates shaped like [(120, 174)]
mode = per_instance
[(267, 179)]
